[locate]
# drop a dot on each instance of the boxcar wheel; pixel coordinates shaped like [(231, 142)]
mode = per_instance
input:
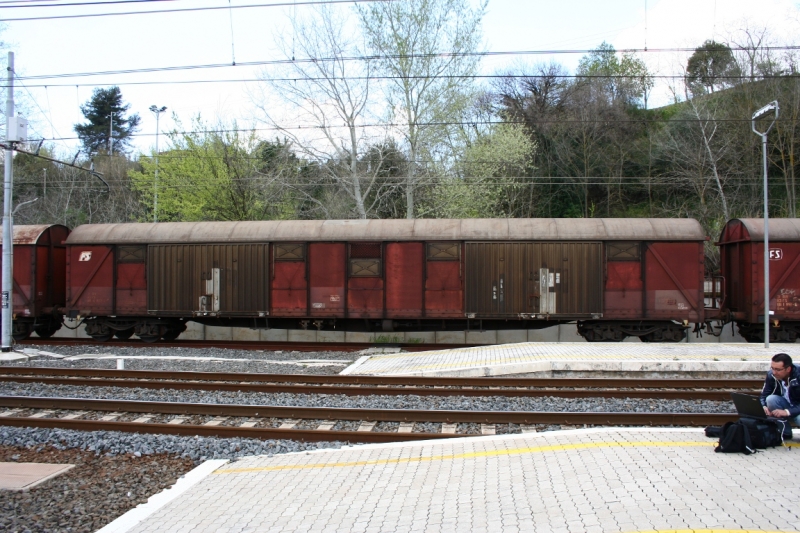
[(21, 336), (103, 338), (124, 334), (171, 335), (45, 332), (149, 339)]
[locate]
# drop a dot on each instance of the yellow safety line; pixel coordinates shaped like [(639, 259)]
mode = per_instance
[(472, 455)]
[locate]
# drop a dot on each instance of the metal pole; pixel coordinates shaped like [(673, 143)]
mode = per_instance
[(772, 106), (8, 243), (157, 112), (111, 135), (155, 186), (766, 245)]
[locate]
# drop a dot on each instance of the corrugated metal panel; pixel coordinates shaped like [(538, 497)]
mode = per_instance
[(545, 229), (509, 279), (179, 275), (780, 229)]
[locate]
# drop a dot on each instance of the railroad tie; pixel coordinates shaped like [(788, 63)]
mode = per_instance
[(366, 426), (326, 426), (248, 424), (449, 428), (488, 429), (74, 416), (177, 420), (528, 429), (143, 419), (42, 414), (216, 421), (110, 417), (406, 427), (10, 412), (288, 424)]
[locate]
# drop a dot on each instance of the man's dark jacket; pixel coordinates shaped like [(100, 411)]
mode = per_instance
[(774, 386)]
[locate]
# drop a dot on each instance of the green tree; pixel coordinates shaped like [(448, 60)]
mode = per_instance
[(107, 122), (624, 78), (710, 67), (217, 173), (425, 48)]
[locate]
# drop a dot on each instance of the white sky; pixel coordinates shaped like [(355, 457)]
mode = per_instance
[(199, 38)]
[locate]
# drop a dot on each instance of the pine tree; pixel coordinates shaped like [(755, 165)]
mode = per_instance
[(98, 111)]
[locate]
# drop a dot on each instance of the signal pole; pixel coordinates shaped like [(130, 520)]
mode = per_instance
[(8, 244)]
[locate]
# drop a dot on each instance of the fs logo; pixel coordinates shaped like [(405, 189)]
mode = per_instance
[(85, 256), (775, 254)]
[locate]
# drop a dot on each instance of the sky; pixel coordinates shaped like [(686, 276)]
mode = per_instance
[(45, 49)]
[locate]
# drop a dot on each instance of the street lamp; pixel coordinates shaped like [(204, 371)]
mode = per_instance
[(157, 111), (772, 106)]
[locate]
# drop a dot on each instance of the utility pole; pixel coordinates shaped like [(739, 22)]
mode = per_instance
[(8, 244), (111, 135), (157, 112)]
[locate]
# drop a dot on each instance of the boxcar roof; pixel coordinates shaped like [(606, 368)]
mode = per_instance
[(549, 229), (29, 234), (752, 229)]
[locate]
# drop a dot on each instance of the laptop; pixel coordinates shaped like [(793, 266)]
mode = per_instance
[(750, 407)]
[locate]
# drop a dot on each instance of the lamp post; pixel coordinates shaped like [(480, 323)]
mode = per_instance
[(772, 106), (157, 111)]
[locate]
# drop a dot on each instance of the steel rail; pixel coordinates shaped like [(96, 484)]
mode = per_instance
[(267, 388), (243, 377), (380, 415), (248, 345), (223, 431)]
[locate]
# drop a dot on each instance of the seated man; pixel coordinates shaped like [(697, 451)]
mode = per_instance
[(780, 395)]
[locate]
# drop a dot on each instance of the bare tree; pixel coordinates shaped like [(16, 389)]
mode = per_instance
[(426, 50), (330, 92)]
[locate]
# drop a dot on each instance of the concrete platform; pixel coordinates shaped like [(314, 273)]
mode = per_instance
[(607, 480), (24, 476), (547, 359)]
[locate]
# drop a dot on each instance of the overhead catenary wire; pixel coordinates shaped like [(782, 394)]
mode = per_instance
[(187, 9), (382, 77), (289, 61)]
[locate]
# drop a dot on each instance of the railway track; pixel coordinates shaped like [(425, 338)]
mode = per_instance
[(307, 423), (247, 345), (684, 389)]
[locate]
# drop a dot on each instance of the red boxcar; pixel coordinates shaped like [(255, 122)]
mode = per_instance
[(616, 277), (742, 271), (39, 273)]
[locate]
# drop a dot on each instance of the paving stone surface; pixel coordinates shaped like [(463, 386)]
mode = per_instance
[(537, 357), (608, 480)]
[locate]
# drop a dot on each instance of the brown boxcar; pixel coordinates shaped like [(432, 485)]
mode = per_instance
[(39, 274), (617, 277), (742, 271)]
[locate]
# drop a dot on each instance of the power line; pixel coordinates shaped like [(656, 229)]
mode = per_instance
[(289, 61), (53, 4), (432, 124), (368, 78), (186, 9)]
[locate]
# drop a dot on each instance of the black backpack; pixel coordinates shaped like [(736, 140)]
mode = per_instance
[(748, 435), (735, 438)]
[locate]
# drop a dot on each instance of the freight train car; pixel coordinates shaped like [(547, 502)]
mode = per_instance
[(614, 277), (39, 278), (742, 273)]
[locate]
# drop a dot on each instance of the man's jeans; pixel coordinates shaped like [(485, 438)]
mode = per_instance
[(779, 402)]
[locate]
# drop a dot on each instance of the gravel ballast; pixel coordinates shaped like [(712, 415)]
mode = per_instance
[(210, 359), (99, 489)]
